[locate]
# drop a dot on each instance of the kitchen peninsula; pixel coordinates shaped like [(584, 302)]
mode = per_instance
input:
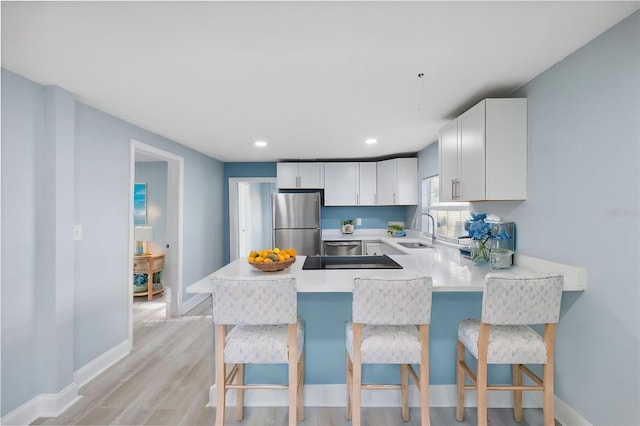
[(451, 272), (324, 302)]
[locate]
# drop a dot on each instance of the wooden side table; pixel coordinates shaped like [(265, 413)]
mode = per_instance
[(149, 264)]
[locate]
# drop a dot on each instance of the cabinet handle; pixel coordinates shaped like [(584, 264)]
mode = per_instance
[(394, 198), (457, 189), (453, 189), (357, 198)]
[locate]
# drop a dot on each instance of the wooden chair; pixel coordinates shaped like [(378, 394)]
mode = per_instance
[(502, 336), (266, 330), (391, 318)]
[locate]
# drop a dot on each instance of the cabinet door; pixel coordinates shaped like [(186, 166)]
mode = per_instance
[(341, 184), (372, 249), (367, 185), (388, 250), (472, 154), (406, 181), (386, 182), (287, 175), (448, 160), (311, 175)]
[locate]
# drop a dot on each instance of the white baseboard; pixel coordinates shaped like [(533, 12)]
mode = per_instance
[(334, 395), (43, 405), (93, 368), (193, 302), (567, 415)]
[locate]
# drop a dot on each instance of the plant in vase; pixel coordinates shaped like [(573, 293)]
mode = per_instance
[(480, 233)]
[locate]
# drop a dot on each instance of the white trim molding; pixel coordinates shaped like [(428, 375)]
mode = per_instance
[(93, 368), (334, 395), (192, 302), (43, 405)]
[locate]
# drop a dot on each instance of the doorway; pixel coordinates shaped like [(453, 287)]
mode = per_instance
[(250, 215), (172, 243)]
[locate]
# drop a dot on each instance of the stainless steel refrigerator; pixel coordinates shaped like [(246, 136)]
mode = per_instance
[(296, 222)]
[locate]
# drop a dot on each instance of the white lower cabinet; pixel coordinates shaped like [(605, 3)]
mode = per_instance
[(371, 248), (377, 248)]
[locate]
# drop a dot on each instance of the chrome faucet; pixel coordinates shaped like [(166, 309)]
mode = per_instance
[(433, 225)]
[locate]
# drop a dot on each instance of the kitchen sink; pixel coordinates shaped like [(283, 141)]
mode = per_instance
[(414, 245)]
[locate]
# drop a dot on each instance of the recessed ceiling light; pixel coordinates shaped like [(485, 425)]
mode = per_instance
[(371, 141), (260, 144)]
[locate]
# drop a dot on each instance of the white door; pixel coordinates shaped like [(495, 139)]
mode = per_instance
[(244, 218), (250, 214)]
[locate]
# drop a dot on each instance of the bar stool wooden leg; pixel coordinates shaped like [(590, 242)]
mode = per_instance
[(483, 344), (301, 388), (517, 395), (547, 375), (357, 375), (404, 383), (424, 375), (349, 386), (293, 374), (220, 374), (240, 392), (460, 377)]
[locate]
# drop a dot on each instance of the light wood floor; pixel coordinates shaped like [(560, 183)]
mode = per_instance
[(166, 379)]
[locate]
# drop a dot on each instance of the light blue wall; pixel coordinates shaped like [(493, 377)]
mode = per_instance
[(22, 129), (66, 163), (154, 174), (102, 197), (373, 217), (583, 208)]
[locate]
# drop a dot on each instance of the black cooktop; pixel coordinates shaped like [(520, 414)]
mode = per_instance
[(350, 262)]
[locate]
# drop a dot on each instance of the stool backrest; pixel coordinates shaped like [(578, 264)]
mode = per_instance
[(514, 300), (255, 301), (392, 300)]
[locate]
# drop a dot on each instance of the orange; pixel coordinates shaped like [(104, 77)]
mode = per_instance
[(259, 259)]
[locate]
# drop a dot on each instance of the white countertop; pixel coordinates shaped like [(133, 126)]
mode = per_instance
[(449, 269)]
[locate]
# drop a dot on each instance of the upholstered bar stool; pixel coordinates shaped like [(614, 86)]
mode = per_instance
[(266, 330), (502, 336), (391, 318)]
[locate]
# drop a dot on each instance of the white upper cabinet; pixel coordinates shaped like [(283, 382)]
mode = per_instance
[(341, 184), (368, 184), (397, 181), (349, 184), (300, 175), (483, 153)]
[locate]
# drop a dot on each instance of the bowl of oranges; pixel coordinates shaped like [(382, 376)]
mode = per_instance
[(272, 260)]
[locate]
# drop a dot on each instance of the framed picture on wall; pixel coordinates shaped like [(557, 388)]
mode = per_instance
[(139, 204)]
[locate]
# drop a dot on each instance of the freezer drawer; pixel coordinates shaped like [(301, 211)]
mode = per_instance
[(305, 241)]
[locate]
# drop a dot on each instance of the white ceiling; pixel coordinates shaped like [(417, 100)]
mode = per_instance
[(313, 79)]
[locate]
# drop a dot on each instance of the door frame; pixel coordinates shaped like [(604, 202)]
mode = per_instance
[(175, 197), (233, 209)]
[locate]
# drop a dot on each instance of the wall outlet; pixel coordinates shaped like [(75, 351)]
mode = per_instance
[(358, 221)]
